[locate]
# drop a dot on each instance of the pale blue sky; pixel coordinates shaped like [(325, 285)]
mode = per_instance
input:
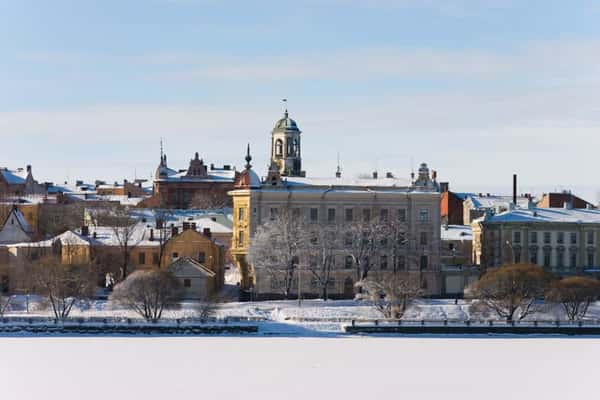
[(478, 89)]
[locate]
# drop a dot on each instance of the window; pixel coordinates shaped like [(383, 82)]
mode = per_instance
[(573, 262), (174, 256), (424, 215), (547, 237), (533, 237), (348, 263), (201, 257), (314, 214), (241, 212), (423, 263), (423, 239), (155, 258), (573, 236), (296, 214), (590, 238), (348, 239), (547, 259), (331, 214), (279, 148), (366, 214), (560, 237), (241, 238), (517, 237), (349, 215), (533, 256), (274, 213), (383, 262), (401, 263), (560, 259), (187, 283), (590, 259), (383, 214), (402, 215), (401, 239), (141, 258)]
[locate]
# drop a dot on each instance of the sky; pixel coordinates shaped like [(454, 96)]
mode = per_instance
[(478, 89)]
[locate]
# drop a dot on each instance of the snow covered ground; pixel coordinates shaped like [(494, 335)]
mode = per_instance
[(268, 368)]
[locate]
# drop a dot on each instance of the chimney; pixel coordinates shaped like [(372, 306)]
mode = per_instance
[(85, 231), (389, 175), (375, 174), (206, 232), (174, 231), (151, 234), (444, 186), (567, 205), (433, 175), (515, 189), (29, 169), (193, 225), (186, 226)]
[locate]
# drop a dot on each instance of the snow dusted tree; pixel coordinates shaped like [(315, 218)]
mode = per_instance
[(148, 293), (321, 248), (390, 294), (62, 285), (127, 235), (276, 249), (211, 199), (163, 231), (508, 289), (362, 241), (575, 294)]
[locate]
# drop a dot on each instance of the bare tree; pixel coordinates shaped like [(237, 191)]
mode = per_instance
[(163, 231), (575, 294), (126, 232), (210, 199), (62, 285), (148, 293), (321, 248), (362, 241), (276, 248), (508, 289), (206, 307), (391, 294)]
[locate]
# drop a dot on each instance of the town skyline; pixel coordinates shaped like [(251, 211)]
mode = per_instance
[(89, 89)]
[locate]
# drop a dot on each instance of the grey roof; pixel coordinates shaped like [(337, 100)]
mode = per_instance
[(545, 215)]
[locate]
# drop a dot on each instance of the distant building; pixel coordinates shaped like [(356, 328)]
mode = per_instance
[(14, 228), (476, 205), (557, 200), (19, 182), (198, 186), (336, 201), (458, 269), (563, 240), (451, 205)]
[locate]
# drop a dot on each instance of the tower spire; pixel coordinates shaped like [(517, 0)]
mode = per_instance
[(285, 113), (248, 157), (338, 171), (162, 157)]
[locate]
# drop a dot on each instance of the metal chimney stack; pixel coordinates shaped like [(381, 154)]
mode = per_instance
[(515, 189)]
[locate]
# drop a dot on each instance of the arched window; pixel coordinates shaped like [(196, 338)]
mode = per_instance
[(279, 148), (295, 148)]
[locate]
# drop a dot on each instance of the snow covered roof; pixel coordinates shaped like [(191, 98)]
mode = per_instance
[(216, 221), (494, 201), (20, 218), (213, 175), (14, 177), (457, 232), (179, 266), (541, 215)]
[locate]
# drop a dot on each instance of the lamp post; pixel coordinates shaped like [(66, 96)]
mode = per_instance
[(512, 250)]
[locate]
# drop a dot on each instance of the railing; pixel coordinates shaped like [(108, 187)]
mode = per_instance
[(476, 323)]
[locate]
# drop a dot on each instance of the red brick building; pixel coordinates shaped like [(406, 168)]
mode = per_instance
[(199, 186), (558, 200)]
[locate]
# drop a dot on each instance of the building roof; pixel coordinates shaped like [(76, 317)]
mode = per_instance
[(183, 262), (545, 215), (14, 177), (494, 201), (286, 124), (457, 232), (20, 218)]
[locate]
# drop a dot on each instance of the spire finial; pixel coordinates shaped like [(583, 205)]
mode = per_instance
[(248, 157), (285, 113), (338, 171), (162, 158)]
